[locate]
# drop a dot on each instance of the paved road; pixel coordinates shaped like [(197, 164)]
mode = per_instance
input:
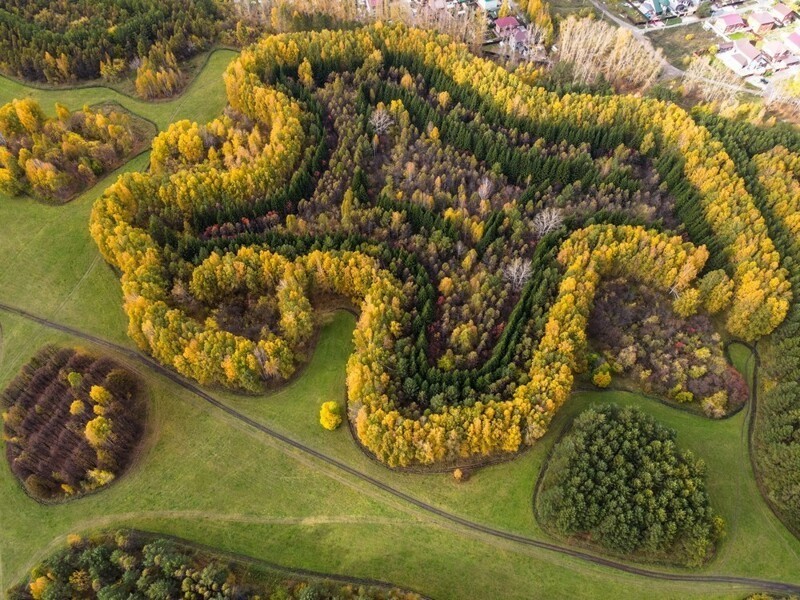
[(748, 583)]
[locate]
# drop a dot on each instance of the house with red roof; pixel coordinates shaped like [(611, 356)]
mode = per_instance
[(792, 42), (729, 23), (743, 58), (783, 14), (748, 56), (506, 25), (775, 50), (760, 22)]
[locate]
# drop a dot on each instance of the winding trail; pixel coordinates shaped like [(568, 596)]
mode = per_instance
[(746, 582)]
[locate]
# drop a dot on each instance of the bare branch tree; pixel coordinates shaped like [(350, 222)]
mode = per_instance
[(517, 273), (546, 221), (485, 188), (595, 48), (784, 94), (381, 121), (712, 82)]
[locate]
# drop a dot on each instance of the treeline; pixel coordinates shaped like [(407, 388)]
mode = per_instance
[(67, 40), (618, 479), (777, 425), (71, 422), (128, 564), (769, 158), (56, 158)]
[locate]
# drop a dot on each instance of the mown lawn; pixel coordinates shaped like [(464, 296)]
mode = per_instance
[(207, 477)]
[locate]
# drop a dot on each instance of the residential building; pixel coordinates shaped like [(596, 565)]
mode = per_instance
[(783, 14), (489, 5), (776, 50), (792, 42), (748, 56), (760, 22), (506, 25), (729, 23)]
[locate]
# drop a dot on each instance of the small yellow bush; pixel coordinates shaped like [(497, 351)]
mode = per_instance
[(330, 415), (99, 394), (601, 378), (38, 587)]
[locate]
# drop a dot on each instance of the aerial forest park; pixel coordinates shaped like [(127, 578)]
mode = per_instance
[(350, 310)]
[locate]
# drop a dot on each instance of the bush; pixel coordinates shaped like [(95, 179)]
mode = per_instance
[(330, 415), (602, 377)]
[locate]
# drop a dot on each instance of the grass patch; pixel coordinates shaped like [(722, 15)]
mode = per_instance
[(676, 47)]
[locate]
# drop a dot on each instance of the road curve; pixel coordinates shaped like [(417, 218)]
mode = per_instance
[(748, 582)]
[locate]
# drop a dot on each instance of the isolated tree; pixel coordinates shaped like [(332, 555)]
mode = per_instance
[(330, 415), (546, 221), (381, 121), (485, 188), (517, 273)]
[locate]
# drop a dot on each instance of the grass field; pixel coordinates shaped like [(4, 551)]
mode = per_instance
[(209, 478)]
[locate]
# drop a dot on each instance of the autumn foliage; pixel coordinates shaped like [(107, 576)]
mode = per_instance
[(55, 158), (357, 163)]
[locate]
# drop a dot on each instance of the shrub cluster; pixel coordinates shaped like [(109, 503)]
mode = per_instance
[(680, 359)]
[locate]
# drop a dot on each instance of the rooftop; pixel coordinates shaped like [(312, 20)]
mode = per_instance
[(747, 49), (762, 18), (782, 10), (732, 19), (506, 22)]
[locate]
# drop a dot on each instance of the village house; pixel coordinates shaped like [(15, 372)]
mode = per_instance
[(779, 55), (776, 50), (760, 22), (729, 23), (505, 26), (743, 58), (792, 42), (783, 14)]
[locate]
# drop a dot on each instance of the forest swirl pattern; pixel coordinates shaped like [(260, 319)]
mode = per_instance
[(393, 168)]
